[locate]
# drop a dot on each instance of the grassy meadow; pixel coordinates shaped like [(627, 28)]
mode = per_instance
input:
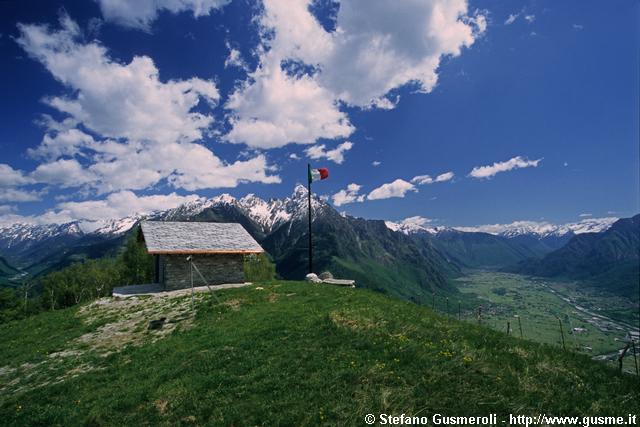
[(284, 353)]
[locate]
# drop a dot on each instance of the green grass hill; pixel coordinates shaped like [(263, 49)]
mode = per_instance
[(287, 353), (7, 271)]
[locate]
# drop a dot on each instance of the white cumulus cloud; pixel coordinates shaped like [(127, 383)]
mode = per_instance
[(511, 18), (12, 177), (427, 179), (373, 50), (397, 188), (116, 205), (235, 59), (5, 209), (121, 204), (491, 170), (63, 172), (17, 195), (276, 109), (10, 182), (141, 13), (116, 100), (62, 142), (148, 130), (336, 155), (386, 45), (447, 176), (349, 195)]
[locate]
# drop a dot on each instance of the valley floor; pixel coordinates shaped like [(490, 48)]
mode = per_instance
[(285, 353), (593, 322)]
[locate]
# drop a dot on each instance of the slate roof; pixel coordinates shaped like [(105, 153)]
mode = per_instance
[(164, 237)]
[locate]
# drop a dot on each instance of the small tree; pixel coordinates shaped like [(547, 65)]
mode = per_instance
[(25, 288), (51, 297), (9, 304), (137, 263)]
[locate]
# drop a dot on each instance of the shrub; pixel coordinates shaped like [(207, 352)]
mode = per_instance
[(79, 282), (259, 267)]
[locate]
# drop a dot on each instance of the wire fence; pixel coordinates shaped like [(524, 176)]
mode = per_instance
[(514, 324)]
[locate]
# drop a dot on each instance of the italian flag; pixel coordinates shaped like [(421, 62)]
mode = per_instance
[(317, 174)]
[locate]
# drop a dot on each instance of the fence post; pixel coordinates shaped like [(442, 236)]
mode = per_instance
[(561, 333), (433, 300), (480, 315), (520, 325), (624, 352), (459, 312), (190, 259), (508, 328), (635, 357), (447, 306)]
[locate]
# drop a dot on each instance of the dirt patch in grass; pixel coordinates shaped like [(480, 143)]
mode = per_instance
[(272, 297), (351, 321), (129, 319), (162, 406), (234, 304), (520, 352), (6, 370), (66, 353), (123, 322)]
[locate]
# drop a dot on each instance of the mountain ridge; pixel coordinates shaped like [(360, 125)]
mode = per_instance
[(395, 263), (541, 230), (413, 251), (273, 212), (608, 259)]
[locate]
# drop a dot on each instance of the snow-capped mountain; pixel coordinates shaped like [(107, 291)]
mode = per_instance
[(416, 225), (543, 229), (409, 228), (15, 235), (194, 208), (112, 227), (592, 225), (270, 214), (267, 214), (280, 226), (24, 242)]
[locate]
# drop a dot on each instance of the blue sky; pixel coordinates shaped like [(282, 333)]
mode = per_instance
[(465, 113)]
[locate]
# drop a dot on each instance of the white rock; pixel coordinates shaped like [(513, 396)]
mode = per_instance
[(313, 278)]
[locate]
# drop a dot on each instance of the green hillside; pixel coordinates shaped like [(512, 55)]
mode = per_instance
[(365, 250), (7, 272), (474, 250), (7, 269), (284, 353), (609, 260)]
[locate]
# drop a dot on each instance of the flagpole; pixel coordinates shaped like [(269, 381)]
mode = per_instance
[(309, 199)]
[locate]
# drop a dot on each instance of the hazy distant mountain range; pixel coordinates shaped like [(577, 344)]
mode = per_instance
[(407, 259), (609, 259), (501, 244), (552, 235)]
